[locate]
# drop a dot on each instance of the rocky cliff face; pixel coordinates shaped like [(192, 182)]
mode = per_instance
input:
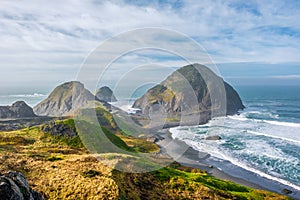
[(18, 109), (65, 100), (14, 186), (193, 89), (106, 94)]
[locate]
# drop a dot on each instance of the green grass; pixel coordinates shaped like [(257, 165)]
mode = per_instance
[(224, 188)]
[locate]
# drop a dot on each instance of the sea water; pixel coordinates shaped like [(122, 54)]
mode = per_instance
[(263, 139)]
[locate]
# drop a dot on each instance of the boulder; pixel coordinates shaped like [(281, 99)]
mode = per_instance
[(14, 186)]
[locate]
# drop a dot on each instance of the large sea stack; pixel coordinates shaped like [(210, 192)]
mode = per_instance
[(193, 90), (65, 100)]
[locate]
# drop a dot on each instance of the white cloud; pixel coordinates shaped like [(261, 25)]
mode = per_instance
[(57, 35)]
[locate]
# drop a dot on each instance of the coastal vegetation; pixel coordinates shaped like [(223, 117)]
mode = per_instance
[(59, 167)]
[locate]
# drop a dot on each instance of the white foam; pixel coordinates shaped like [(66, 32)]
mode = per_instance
[(218, 154), (262, 174), (273, 136), (28, 95), (249, 126), (288, 124), (237, 117)]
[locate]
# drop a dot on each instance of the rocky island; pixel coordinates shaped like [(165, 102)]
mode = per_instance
[(18, 109), (105, 94), (192, 90), (65, 100)]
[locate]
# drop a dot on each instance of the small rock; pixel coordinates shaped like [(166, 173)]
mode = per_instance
[(214, 137), (286, 191)]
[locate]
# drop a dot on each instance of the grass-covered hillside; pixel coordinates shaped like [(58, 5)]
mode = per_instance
[(60, 167)]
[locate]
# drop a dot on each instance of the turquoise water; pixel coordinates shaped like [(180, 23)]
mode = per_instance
[(264, 138)]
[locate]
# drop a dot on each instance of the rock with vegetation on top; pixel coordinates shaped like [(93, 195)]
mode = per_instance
[(18, 109), (60, 129), (65, 100), (192, 89), (14, 186), (106, 94)]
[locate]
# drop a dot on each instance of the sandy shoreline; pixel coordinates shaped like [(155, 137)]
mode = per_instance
[(187, 156)]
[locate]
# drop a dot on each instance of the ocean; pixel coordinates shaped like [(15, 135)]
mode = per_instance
[(263, 139), (31, 99)]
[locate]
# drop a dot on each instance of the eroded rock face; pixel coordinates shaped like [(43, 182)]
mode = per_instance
[(192, 89), (18, 109), (106, 94), (65, 100), (14, 186)]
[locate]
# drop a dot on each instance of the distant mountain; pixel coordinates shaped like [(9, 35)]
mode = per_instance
[(18, 109), (105, 94), (65, 100), (186, 90)]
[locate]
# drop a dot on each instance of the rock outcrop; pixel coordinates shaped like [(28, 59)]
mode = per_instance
[(14, 186), (106, 94), (18, 109), (65, 100), (59, 129), (192, 89)]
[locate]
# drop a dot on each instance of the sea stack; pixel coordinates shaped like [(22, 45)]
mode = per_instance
[(106, 94), (65, 100), (18, 109), (191, 90)]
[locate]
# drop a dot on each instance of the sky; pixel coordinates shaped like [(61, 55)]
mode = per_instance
[(44, 43)]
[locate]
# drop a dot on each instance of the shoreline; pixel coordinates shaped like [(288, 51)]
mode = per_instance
[(201, 160)]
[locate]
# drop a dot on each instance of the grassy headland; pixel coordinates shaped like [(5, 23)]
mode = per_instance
[(61, 168)]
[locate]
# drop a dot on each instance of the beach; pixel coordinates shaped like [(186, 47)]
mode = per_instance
[(201, 160)]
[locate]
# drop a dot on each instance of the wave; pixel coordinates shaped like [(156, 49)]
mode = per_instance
[(278, 123), (288, 124), (222, 156), (260, 173), (27, 95), (273, 136)]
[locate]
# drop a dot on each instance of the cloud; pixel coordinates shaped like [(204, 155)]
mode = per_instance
[(54, 35)]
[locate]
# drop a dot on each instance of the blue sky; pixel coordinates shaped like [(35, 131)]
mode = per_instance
[(44, 43)]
